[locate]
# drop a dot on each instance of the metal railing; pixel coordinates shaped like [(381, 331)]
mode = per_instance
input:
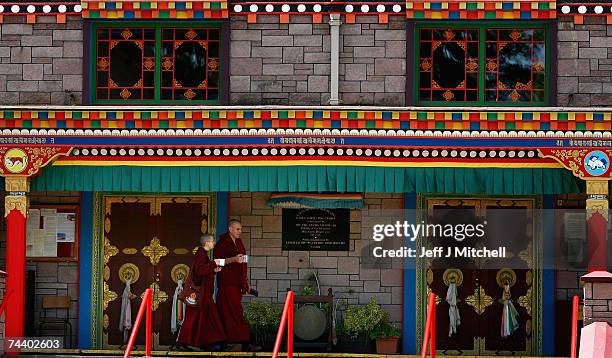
[(574, 340), (430, 329), (147, 304), (286, 319)]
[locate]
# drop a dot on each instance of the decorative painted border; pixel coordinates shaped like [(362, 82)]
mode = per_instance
[(481, 9), (579, 10), (59, 9), (559, 120), (163, 9)]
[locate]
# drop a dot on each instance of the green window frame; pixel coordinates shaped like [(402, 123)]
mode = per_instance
[(481, 60), (155, 90)]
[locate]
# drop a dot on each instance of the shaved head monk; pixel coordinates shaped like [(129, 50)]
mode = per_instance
[(232, 283)]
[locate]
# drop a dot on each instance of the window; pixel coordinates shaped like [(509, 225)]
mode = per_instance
[(497, 64), (148, 64)]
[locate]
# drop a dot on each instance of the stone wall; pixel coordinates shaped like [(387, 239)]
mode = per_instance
[(584, 62), (597, 297), (52, 278), (273, 63), (41, 63), (273, 270)]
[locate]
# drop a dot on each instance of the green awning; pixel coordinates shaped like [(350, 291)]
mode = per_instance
[(330, 179), (316, 201)]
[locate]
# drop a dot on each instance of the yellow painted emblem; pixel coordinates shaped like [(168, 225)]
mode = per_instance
[(15, 160)]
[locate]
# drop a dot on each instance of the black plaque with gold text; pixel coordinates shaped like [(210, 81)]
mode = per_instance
[(316, 229)]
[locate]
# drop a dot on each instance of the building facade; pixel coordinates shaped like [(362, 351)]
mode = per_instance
[(140, 125)]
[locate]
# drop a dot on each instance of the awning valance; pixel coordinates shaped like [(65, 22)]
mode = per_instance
[(316, 201), (313, 179)]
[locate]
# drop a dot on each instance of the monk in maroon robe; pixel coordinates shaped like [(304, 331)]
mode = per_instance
[(202, 326), (232, 283)]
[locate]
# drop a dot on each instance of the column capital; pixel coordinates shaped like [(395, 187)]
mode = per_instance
[(17, 186)]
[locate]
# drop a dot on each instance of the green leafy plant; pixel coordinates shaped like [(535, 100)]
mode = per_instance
[(385, 330), (363, 319), (306, 291), (263, 316)]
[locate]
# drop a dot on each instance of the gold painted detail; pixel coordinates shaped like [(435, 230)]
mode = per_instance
[(189, 94), (158, 296), (109, 250), (154, 251), (112, 83), (107, 225), (203, 44), (16, 202), (593, 187), (102, 64), (491, 65), (425, 65), (126, 34), (213, 64), (179, 272), (529, 278), (138, 84), (538, 67), (506, 276), (472, 65), (514, 96), (167, 63), (449, 35), (105, 322), (527, 255), (129, 271), (140, 44), (597, 206), (129, 250), (525, 301), (515, 35), (191, 34), (453, 275), (430, 276), (19, 183), (107, 295), (106, 273), (523, 86), (125, 94), (149, 63), (528, 327), (180, 251), (204, 226), (479, 300), (448, 95)]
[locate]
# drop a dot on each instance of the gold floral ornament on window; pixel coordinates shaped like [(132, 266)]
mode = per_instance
[(448, 95), (538, 67), (189, 94), (125, 94), (515, 35), (126, 34), (167, 63), (491, 65), (472, 65), (514, 96), (425, 65), (149, 64), (213, 64), (191, 34), (449, 35), (102, 64)]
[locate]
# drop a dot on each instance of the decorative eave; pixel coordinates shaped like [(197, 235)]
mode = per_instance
[(253, 9), (537, 119)]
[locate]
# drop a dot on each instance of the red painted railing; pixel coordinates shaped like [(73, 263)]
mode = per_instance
[(574, 327), (147, 304), (5, 301), (286, 318), (430, 329)]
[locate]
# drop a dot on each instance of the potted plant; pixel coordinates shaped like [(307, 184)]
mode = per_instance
[(264, 319), (359, 322), (386, 337)]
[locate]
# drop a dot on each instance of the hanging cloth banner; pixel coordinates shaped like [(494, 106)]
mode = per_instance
[(509, 315), (125, 318), (453, 312), (316, 201), (178, 309)]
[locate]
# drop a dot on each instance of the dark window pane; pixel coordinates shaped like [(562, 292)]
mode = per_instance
[(168, 34), (213, 34), (472, 49), (126, 64), (425, 34), (471, 96), (491, 35), (425, 80), (190, 64), (213, 49), (538, 96), (472, 80), (167, 49), (166, 94), (148, 93), (102, 94), (166, 79), (491, 49), (149, 79), (424, 96), (425, 49), (149, 49), (213, 79), (149, 34), (539, 51), (102, 49), (491, 80), (102, 79), (491, 95), (103, 34), (213, 95), (449, 65), (539, 35)]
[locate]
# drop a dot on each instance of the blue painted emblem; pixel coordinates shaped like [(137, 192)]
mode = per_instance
[(596, 163)]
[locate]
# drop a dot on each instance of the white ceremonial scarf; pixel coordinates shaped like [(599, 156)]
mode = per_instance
[(125, 319), (178, 309), (453, 311)]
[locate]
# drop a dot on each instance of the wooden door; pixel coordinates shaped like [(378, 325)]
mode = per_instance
[(481, 281), (181, 223), (152, 241)]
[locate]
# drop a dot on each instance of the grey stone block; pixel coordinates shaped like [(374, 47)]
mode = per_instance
[(358, 40), (573, 36), (32, 72), (567, 84), (5, 52), (322, 69), (318, 83), (240, 48), (50, 86), (266, 86), (601, 42), (277, 41), (384, 35), (395, 84), (47, 52), (589, 87), (9, 97), (65, 66), (21, 54), (293, 55), (311, 40), (10, 69), (22, 86), (273, 52), (300, 29), (567, 49), (373, 86), (593, 53), (16, 29), (369, 51), (245, 35), (390, 66), (320, 57), (246, 66), (286, 69), (73, 82), (36, 40), (395, 49), (67, 35), (355, 72), (73, 49), (240, 83)]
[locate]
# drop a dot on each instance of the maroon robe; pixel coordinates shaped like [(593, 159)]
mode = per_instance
[(202, 325), (231, 284)]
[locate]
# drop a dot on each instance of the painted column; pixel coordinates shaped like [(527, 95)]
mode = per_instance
[(597, 224), (15, 211), (334, 23)]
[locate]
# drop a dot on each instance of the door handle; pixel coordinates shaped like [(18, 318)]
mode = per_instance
[(157, 277)]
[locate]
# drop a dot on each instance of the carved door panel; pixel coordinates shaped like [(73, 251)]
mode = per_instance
[(461, 271), (180, 224), (480, 282), (128, 227)]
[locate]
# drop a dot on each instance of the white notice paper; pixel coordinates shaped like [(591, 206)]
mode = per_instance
[(65, 227)]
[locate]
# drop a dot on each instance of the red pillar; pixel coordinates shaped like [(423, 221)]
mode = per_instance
[(597, 224), (15, 205)]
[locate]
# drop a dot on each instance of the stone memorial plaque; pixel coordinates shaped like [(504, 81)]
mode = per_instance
[(316, 229)]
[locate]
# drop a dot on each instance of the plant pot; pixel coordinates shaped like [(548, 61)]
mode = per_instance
[(386, 345), (361, 344)]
